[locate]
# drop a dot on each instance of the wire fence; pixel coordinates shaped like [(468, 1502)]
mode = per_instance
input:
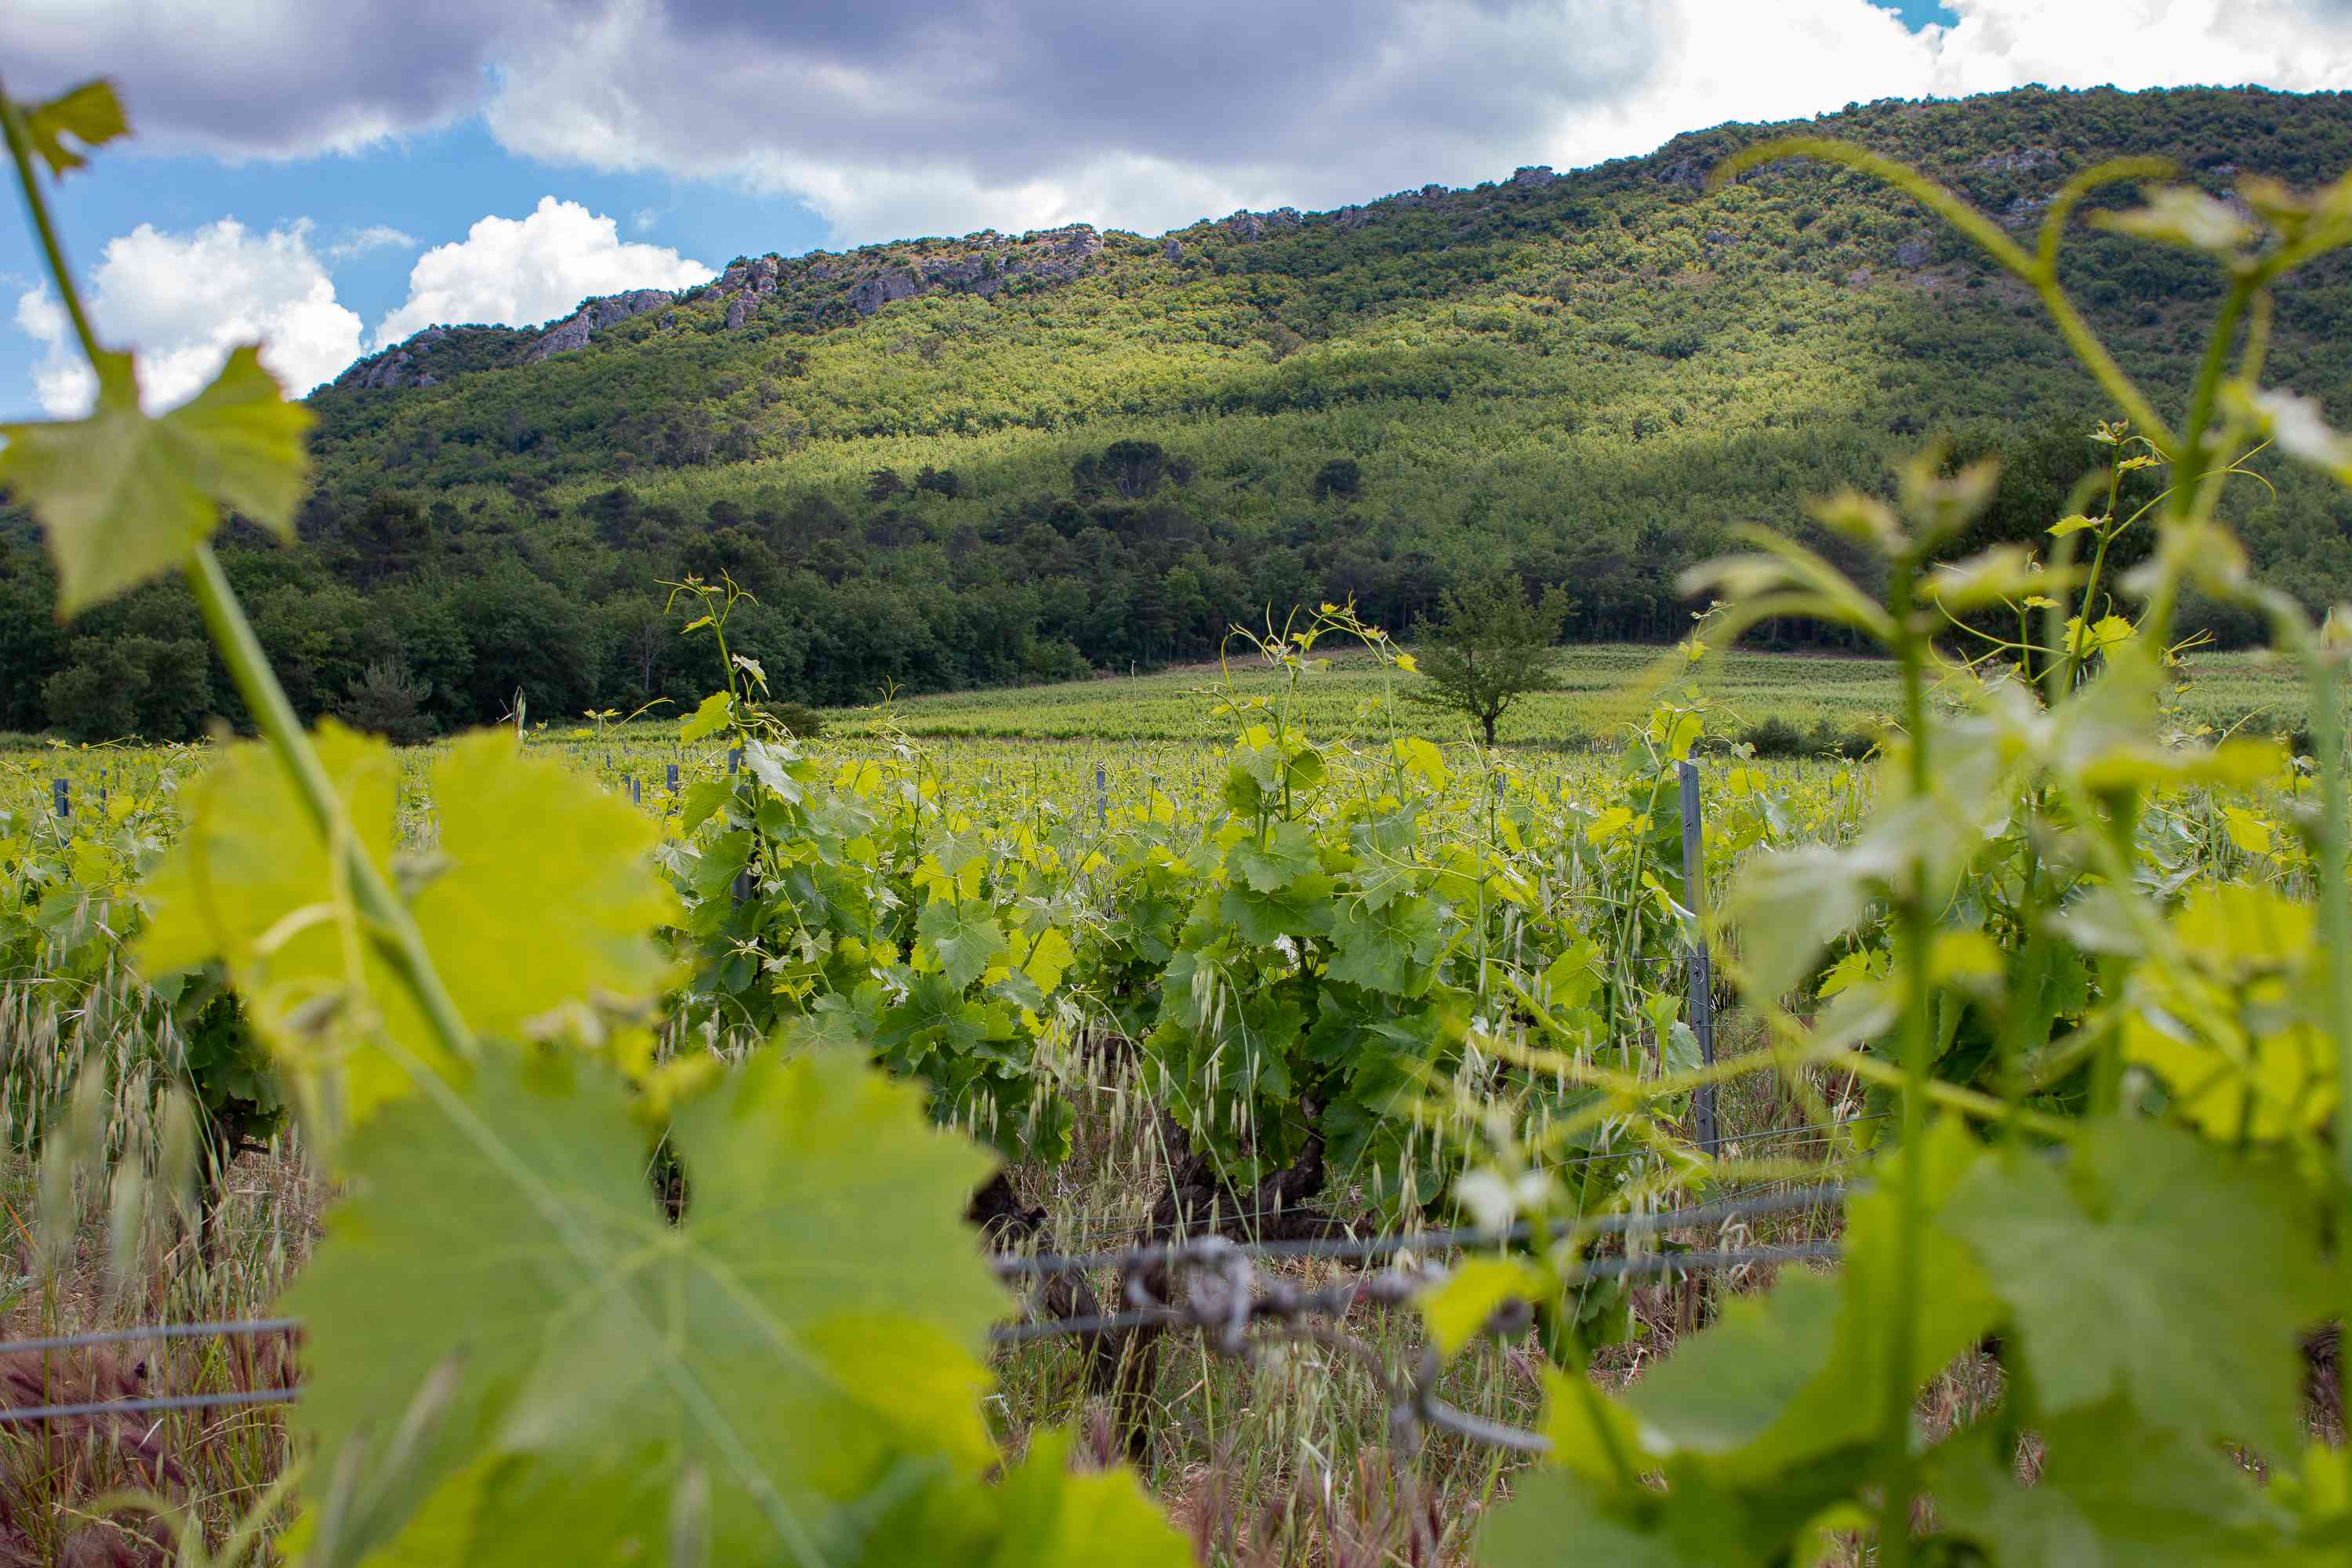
[(1226, 1297)]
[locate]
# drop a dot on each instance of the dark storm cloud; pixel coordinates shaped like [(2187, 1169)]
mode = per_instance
[(1053, 100), (273, 79), (1215, 81), (986, 85)]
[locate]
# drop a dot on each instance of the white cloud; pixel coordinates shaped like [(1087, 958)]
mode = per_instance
[(520, 272), (375, 237), (182, 301)]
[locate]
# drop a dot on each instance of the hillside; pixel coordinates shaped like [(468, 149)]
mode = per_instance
[(949, 463)]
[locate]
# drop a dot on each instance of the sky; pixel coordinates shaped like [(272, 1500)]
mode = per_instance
[(329, 178)]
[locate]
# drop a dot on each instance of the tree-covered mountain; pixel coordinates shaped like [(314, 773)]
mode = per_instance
[(955, 462)]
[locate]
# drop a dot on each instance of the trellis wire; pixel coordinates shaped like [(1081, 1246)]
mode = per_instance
[(1244, 1307), (1388, 1245)]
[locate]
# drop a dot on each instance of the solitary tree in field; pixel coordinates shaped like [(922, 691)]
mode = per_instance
[(1487, 647)]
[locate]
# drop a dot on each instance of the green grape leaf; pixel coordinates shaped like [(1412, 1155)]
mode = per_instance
[(771, 764), (963, 937), (703, 796), (1385, 949), (1048, 959), (1551, 1512), (1732, 1386), (2160, 1269), (1590, 1432), (91, 114), (2114, 1491), (1051, 1518), (1301, 908), (546, 896), (250, 883), (1788, 906), (1555, 1516), (1456, 1309), (806, 1341), (709, 718), (1797, 1374), (123, 497), (1287, 854), (540, 898)]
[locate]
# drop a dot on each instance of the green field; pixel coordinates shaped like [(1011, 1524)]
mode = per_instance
[(1598, 692)]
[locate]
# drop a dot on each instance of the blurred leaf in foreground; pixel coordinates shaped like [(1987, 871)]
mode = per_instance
[(123, 496)]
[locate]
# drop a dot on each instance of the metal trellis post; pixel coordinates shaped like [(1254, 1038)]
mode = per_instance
[(1702, 977)]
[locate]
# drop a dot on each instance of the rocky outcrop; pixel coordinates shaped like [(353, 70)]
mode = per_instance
[(1914, 251), (1250, 227), (1533, 176), (875, 292), (2023, 210), (1685, 173), (395, 367), (1174, 249), (592, 316), (740, 309), (2014, 161)]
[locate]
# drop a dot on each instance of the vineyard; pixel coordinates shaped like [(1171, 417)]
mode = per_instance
[(1262, 1134)]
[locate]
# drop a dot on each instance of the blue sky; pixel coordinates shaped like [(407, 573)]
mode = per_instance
[(308, 174)]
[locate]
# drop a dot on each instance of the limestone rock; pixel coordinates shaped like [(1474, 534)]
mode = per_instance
[(1684, 172), (741, 308), (1249, 227), (1914, 251), (875, 292), (2015, 160), (1533, 176), (591, 318), (1174, 249)]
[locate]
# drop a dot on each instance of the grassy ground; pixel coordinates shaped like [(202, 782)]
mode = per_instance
[(1597, 692)]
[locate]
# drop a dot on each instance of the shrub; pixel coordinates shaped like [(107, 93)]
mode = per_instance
[(387, 702)]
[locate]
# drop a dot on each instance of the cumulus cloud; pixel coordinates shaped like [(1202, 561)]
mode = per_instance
[(523, 271), (896, 117), (182, 301)]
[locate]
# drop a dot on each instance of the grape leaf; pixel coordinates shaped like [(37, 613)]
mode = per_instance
[(1287, 854), (1796, 1375), (539, 900), (1552, 1511), (248, 882), (717, 711), (1388, 949), (546, 896), (2114, 1491), (91, 114), (1587, 1427), (806, 1340), (1051, 1518), (123, 497), (1301, 908), (1456, 1309), (1048, 959), (2164, 1271), (963, 938)]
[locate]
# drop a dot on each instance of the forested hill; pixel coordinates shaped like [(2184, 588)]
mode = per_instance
[(955, 462)]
